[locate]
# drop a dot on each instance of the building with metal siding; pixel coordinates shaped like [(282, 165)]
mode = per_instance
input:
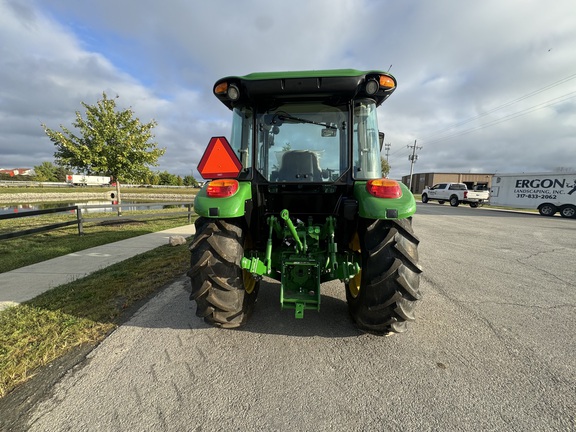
[(421, 180)]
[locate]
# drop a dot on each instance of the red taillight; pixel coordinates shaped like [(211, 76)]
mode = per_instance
[(384, 188), (465, 194), (222, 188)]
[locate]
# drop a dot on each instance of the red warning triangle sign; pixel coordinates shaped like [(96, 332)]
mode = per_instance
[(219, 160)]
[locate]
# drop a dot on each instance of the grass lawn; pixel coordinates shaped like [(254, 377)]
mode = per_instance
[(82, 312), (30, 249), (85, 311)]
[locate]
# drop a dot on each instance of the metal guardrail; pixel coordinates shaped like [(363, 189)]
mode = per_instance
[(80, 220)]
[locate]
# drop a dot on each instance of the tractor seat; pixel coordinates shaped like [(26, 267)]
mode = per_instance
[(299, 166)]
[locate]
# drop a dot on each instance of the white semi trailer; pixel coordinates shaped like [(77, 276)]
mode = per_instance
[(86, 180), (548, 192)]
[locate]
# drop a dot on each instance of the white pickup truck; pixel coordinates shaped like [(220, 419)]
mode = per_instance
[(455, 194)]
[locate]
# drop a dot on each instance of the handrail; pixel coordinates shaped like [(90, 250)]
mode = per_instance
[(50, 227), (37, 212)]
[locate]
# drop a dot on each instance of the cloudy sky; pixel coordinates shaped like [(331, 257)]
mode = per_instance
[(483, 86)]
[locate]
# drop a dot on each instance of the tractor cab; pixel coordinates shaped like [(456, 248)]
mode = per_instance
[(327, 133)]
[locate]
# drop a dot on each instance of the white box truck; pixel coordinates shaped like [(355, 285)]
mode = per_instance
[(548, 192)]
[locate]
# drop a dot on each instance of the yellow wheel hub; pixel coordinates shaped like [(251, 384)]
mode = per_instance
[(249, 281), (354, 284)]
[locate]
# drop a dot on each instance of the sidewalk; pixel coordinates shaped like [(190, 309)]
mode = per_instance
[(25, 283)]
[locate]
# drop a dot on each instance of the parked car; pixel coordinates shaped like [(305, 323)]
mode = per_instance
[(455, 194)]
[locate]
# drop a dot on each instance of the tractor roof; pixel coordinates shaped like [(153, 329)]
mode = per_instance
[(335, 85)]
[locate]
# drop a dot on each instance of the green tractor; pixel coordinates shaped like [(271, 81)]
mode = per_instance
[(298, 196)]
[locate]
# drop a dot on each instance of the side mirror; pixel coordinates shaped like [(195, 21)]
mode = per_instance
[(328, 132)]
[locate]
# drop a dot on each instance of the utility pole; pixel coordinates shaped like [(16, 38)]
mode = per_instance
[(412, 158), (387, 149)]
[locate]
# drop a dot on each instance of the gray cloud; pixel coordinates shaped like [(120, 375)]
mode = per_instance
[(455, 63)]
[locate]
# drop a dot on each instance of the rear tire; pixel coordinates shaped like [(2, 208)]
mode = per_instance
[(454, 202), (473, 204), (224, 293), (568, 211), (547, 209), (382, 297)]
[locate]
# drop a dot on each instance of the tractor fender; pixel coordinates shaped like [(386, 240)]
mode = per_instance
[(227, 207), (371, 207)]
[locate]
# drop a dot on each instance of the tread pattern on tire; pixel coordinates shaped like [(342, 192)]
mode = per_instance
[(216, 275), (390, 285)]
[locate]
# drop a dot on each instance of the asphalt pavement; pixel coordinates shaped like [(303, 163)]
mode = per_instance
[(25, 283)]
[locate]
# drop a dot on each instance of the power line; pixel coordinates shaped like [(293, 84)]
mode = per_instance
[(493, 122), (504, 105), (401, 149), (508, 117)]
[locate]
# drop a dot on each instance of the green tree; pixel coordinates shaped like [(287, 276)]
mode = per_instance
[(61, 173), (109, 142), (164, 178), (45, 172), (48, 172), (153, 178), (189, 180), (385, 167)]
